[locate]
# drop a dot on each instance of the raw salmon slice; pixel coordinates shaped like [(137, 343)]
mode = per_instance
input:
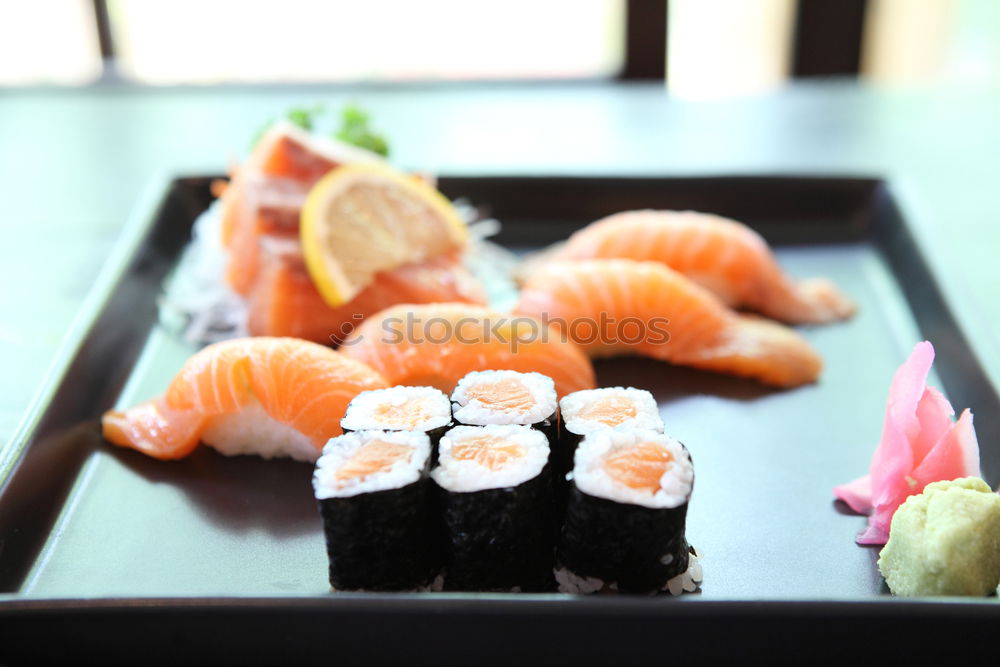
[(438, 344), (489, 451), (640, 467), (285, 302), (403, 415), (508, 394), (270, 396), (266, 193), (288, 151), (612, 411), (373, 457), (722, 255), (616, 306)]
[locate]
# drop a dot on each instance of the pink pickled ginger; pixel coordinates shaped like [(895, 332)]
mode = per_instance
[(920, 444)]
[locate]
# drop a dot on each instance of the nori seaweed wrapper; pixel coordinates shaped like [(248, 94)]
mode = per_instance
[(381, 541), (550, 427), (563, 448), (499, 539), (623, 543)]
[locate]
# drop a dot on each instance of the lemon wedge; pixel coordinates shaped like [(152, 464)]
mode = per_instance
[(360, 219)]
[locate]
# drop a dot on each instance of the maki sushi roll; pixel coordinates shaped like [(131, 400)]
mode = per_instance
[(592, 410), (375, 498), (496, 497), (482, 398), (417, 409), (626, 514)]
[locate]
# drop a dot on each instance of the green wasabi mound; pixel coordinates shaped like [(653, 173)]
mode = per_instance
[(945, 541)]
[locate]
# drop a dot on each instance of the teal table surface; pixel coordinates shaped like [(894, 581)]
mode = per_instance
[(73, 164)]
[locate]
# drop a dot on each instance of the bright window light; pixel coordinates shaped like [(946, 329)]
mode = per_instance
[(192, 41), (48, 42), (919, 43), (721, 48)]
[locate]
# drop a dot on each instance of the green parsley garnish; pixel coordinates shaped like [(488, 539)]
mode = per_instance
[(354, 129)]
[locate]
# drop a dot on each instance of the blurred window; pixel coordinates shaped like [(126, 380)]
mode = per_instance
[(719, 48), (194, 41), (715, 48), (48, 42), (922, 42)]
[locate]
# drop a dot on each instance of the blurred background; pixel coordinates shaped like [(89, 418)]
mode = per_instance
[(706, 48), (100, 100)]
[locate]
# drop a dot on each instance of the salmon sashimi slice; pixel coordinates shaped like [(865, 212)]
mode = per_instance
[(371, 458), (288, 151), (489, 451), (611, 411), (285, 302), (507, 395), (266, 193), (640, 467), (274, 202), (615, 306), (237, 394), (920, 444), (722, 255), (438, 344)]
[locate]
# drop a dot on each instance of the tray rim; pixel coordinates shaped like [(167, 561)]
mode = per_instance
[(628, 630), (137, 226), (349, 602), (134, 232)]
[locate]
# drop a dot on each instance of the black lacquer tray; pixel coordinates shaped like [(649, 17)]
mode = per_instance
[(111, 556)]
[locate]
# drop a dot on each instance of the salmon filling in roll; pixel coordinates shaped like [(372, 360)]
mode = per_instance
[(475, 458), (636, 467), (421, 409), (505, 397), (626, 407), (370, 461)]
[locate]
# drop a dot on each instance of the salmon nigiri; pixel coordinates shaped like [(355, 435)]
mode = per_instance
[(722, 255), (438, 344), (618, 306), (284, 300), (266, 396)]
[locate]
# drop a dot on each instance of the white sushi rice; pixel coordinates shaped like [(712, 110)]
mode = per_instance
[(591, 477), (687, 581), (475, 412), (436, 585), (647, 412), (197, 301), (253, 431), (338, 451), (361, 412), (467, 475)]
